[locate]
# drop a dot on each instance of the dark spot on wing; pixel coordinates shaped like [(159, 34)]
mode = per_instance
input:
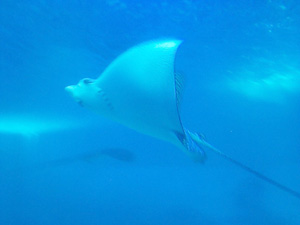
[(105, 99)]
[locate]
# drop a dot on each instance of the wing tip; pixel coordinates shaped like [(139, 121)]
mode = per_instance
[(167, 43)]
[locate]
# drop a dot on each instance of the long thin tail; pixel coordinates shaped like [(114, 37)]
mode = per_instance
[(202, 142)]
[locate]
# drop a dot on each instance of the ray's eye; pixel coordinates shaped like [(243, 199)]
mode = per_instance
[(87, 81)]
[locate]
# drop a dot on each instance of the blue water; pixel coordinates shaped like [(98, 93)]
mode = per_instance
[(240, 62)]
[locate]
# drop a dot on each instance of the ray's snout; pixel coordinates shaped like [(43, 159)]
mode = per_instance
[(74, 93), (70, 89)]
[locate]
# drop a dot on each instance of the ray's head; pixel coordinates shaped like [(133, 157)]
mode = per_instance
[(85, 92)]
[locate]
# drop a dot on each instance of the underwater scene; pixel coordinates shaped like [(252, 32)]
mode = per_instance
[(127, 112)]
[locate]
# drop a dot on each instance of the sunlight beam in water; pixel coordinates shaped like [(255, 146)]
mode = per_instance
[(31, 125), (275, 87)]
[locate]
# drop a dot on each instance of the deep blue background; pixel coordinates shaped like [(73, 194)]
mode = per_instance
[(240, 60)]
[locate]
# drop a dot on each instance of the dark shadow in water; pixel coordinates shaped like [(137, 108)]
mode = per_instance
[(119, 154), (122, 155)]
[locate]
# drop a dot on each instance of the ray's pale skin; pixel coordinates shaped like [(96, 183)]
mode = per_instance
[(138, 90)]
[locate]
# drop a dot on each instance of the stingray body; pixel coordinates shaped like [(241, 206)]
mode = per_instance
[(139, 90)]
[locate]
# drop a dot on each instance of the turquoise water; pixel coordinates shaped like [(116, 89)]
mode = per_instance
[(62, 164)]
